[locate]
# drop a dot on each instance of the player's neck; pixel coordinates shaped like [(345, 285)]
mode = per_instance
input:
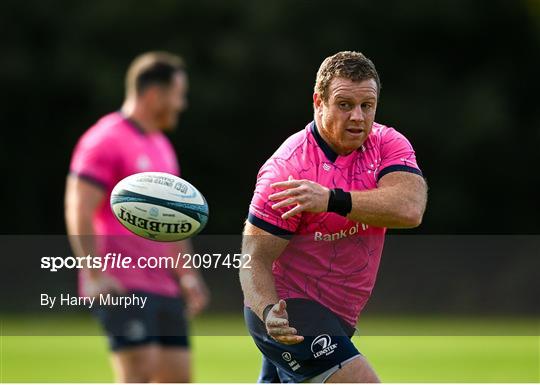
[(136, 113), (322, 134)]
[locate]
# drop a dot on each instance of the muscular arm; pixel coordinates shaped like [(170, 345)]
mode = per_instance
[(82, 199), (399, 201), (258, 282)]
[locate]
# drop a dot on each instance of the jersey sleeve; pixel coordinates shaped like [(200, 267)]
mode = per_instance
[(96, 160), (397, 154), (261, 213)]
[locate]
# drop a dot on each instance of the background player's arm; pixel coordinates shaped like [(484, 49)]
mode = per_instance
[(193, 287), (399, 201), (82, 199)]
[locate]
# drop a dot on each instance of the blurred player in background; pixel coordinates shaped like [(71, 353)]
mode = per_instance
[(316, 228), (149, 344)]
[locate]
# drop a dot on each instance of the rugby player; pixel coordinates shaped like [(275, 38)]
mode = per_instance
[(316, 226), (149, 344)]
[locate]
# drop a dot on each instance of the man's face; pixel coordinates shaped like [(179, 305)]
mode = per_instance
[(170, 101), (346, 118)]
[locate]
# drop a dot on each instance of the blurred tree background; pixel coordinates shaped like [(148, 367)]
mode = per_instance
[(460, 79)]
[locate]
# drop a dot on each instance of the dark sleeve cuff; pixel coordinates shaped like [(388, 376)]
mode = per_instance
[(269, 227), (90, 179), (398, 167)]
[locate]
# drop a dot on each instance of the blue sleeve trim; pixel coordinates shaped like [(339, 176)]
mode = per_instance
[(398, 167), (268, 227), (90, 179)]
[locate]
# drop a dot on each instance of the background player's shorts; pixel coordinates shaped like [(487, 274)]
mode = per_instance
[(162, 321), (327, 343)]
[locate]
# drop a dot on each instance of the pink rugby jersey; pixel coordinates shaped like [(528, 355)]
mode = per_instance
[(114, 148), (329, 259)]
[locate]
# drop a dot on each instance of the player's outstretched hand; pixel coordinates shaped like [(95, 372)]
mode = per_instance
[(304, 195), (277, 325)]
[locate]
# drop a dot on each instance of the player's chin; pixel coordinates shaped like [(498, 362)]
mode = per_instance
[(170, 125), (169, 128), (353, 143)]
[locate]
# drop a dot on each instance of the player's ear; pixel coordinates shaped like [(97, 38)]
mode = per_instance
[(156, 95), (148, 95), (317, 102)]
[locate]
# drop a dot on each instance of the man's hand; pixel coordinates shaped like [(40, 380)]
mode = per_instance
[(277, 325), (97, 284), (304, 194), (195, 293)]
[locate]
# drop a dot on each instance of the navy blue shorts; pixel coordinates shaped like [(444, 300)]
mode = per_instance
[(162, 321), (327, 343)]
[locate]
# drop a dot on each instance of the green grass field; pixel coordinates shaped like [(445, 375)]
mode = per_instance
[(396, 358)]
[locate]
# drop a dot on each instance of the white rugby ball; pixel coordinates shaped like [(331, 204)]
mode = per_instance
[(159, 206)]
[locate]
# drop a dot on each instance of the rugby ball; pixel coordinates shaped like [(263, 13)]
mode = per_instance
[(159, 206)]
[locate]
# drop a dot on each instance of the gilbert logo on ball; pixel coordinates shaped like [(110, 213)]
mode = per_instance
[(159, 206)]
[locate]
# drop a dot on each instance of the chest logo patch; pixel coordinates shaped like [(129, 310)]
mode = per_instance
[(143, 162)]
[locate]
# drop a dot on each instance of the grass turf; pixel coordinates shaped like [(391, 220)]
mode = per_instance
[(396, 358)]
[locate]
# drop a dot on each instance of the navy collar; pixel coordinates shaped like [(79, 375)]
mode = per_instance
[(133, 124), (325, 147)]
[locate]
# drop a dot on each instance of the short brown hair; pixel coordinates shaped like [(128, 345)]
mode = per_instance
[(152, 68), (346, 64)]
